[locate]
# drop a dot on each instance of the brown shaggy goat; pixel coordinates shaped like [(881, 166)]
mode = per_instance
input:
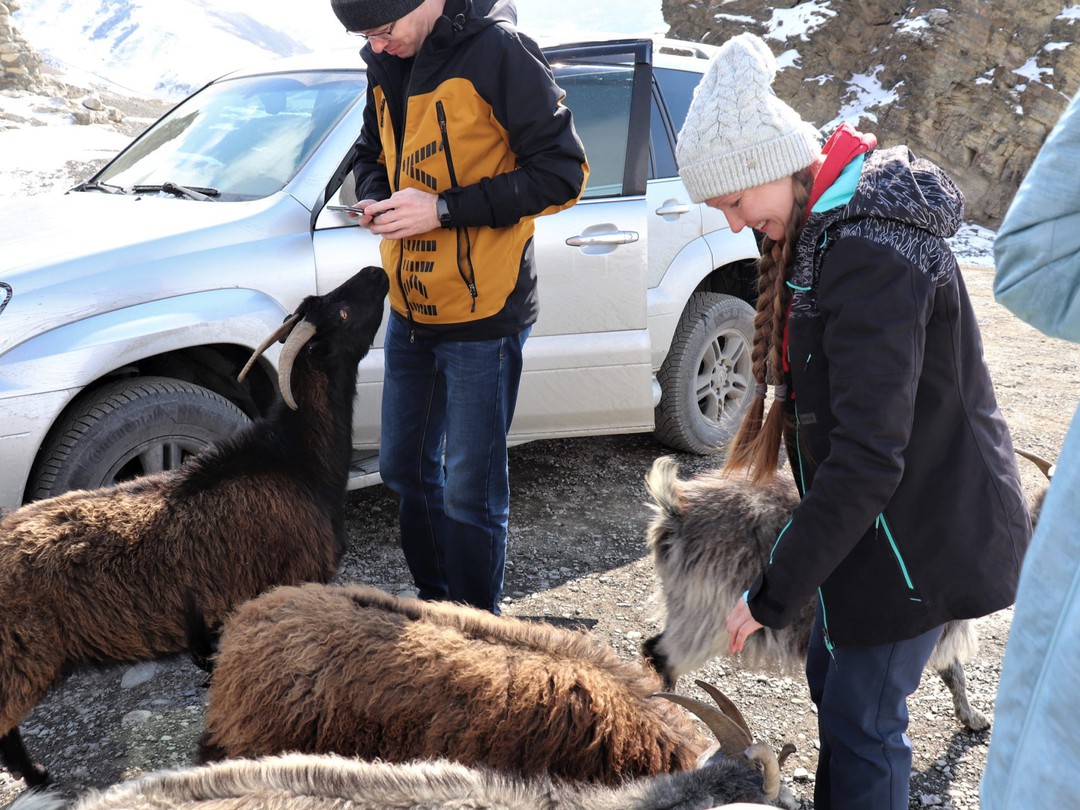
[(109, 574), (354, 671), (710, 538)]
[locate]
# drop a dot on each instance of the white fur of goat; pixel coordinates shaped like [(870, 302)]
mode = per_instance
[(328, 782)]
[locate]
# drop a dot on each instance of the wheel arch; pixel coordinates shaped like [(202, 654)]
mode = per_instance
[(694, 270), (203, 339)]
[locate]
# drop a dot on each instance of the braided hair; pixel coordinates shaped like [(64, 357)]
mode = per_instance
[(756, 446)]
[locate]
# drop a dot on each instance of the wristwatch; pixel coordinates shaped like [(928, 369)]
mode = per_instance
[(443, 211)]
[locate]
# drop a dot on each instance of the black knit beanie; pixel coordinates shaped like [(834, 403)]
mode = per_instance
[(365, 15)]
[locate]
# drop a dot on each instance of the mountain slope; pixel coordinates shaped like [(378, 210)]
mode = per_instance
[(169, 49)]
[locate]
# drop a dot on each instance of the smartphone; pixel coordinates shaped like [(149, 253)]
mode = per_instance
[(346, 209)]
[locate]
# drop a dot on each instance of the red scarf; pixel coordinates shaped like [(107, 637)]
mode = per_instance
[(846, 144)]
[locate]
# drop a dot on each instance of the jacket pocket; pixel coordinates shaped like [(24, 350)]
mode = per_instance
[(464, 241), (885, 534)]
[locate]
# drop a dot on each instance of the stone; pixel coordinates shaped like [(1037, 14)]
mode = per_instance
[(139, 717), (139, 674)]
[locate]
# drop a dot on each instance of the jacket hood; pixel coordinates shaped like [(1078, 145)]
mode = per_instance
[(897, 185)]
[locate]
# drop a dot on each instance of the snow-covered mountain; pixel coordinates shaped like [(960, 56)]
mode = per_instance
[(154, 48), (168, 49)]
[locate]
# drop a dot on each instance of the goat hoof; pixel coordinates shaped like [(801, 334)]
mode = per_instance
[(975, 721), (35, 776)]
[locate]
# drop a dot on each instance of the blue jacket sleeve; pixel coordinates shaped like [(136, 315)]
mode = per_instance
[(1037, 250)]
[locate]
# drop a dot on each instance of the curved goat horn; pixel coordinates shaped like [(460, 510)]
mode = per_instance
[(1047, 467), (279, 333), (304, 331), (728, 733), (761, 754), (725, 705)]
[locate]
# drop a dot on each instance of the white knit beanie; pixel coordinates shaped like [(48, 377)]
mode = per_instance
[(737, 133)]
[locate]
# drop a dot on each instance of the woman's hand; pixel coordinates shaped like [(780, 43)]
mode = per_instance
[(740, 625)]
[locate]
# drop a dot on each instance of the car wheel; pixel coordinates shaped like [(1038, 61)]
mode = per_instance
[(706, 379), (130, 428)]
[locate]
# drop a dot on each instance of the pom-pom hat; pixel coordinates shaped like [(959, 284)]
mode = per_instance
[(737, 133), (366, 15)]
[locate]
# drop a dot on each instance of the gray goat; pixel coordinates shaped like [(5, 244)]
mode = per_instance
[(329, 782), (111, 574), (709, 539)]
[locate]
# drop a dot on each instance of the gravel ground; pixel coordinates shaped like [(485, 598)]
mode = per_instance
[(577, 557)]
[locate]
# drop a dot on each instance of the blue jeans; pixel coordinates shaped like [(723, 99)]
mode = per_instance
[(861, 693), (446, 409)]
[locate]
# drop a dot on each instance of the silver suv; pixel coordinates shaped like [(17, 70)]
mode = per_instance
[(128, 304)]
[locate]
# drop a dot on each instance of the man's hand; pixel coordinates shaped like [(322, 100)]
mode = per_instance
[(740, 625), (408, 212)]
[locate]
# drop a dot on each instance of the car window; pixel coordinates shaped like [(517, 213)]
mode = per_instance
[(243, 138), (662, 161), (672, 93), (677, 87), (599, 96)]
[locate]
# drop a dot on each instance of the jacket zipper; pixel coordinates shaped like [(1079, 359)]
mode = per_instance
[(825, 626), (802, 475), (468, 277), (400, 138), (883, 526)]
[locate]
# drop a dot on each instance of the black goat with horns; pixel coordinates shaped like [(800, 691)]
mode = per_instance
[(111, 574)]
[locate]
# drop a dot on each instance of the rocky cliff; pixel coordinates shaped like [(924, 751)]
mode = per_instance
[(974, 85), (20, 66), (22, 71)]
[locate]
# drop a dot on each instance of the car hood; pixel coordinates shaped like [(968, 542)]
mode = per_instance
[(66, 257), (51, 230)]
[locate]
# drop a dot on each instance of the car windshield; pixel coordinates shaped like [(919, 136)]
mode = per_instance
[(237, 139)]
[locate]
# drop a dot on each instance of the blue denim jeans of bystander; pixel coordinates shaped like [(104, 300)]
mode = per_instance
[(446, 410)]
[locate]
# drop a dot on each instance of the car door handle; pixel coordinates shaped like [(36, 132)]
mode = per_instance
[(674, 209), (610, 238)]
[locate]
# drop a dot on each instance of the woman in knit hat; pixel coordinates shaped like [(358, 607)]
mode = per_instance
[(912, 513)]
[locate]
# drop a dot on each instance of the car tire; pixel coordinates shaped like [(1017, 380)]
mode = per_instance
[(706, 379), (130, 428)]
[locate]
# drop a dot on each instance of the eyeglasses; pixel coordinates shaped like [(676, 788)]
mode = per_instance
[(383, 35)]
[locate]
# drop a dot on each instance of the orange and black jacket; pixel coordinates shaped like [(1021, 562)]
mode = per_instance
[(477, 117)]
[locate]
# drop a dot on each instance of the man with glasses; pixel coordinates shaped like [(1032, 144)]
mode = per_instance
[(465, 142)]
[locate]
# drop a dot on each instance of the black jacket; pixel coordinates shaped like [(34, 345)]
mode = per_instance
[(912, 513), (477, 117)]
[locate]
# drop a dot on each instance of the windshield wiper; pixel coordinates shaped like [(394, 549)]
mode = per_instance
[(191, 193), (93, 185)]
